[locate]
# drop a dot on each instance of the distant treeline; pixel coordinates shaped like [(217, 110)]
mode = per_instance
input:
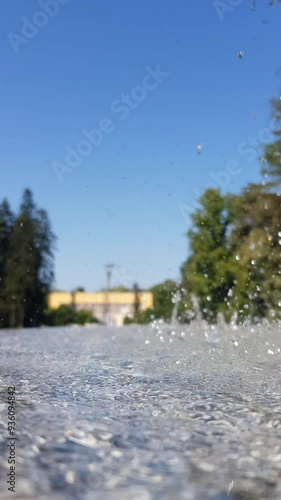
[(26, 263)]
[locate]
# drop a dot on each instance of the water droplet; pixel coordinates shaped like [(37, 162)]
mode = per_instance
[(237, 257), (199, 148), (116, 453), (147, 342), (230, 487), (240, 54), (70, 477)]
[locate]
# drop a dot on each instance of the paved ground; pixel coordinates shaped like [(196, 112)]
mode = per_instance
[(143, 413)]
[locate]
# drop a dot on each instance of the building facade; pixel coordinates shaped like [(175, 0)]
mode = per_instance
[(110, 308)]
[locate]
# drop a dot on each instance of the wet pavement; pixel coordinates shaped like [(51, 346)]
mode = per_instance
[(142, 413)]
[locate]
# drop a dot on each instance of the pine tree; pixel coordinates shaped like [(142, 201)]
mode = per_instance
[(6, 224), (29, 264)]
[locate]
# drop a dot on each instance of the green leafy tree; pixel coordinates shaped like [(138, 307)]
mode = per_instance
[(142, 318), (62, 316), (163, 295), (210, 271), (256, 239), (83, 317), (67, 315), (163, 304)]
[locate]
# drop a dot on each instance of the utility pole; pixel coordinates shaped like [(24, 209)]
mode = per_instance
[(136, 301), (108, 268), (73, 302)]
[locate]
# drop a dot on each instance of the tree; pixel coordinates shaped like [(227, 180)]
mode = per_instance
[(142, 318), (163, 304), (84, 317), (256, 239), (210, 271), (29, 264), (62, 316), (67, 315), (163, 295), (6, 225)]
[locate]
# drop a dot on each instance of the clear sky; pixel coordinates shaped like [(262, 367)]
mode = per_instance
[(124, 202)]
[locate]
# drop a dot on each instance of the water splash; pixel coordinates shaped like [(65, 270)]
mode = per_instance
[(176, 300), (197, 311)]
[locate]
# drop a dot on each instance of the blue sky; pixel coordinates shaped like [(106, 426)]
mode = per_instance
[(122, 203)]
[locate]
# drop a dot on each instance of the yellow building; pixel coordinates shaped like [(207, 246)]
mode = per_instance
[(110, 308)]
